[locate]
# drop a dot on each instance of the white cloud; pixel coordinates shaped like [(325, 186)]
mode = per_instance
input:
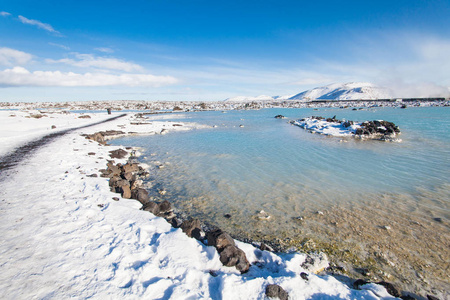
[(11, 57), (4, 13), (89, 61), (39, 24), (104, 50), (19, 76), (60, 46)]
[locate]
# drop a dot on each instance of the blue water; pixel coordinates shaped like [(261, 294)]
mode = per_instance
[(269, 164)]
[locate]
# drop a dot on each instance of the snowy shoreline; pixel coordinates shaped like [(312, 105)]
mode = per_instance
[(94, 246)]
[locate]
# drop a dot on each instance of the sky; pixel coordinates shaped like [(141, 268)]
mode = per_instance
[(212, 50)]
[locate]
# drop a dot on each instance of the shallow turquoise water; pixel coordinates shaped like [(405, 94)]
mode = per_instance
[(269, 164)]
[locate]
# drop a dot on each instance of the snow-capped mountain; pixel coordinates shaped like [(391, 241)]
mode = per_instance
[(346, 91), (335, 91)]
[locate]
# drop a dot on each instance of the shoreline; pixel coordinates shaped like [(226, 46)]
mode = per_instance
[(245, 247)]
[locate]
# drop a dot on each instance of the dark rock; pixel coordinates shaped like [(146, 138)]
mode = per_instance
[(390, 288), (265, 247), (233, 256), (119, 153), (280, 117), (91, 153), (164, 207), (227, 216), (140, 195), (175, 222), (53, 127), (276, 291), (304, 276), (219, 239), (92, 175), (431, 297), (438, 220), (116, 198), (358, 283), (192, 228), (151, 207)]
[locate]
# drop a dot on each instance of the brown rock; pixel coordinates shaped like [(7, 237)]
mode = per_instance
[(151, 207), (165, 207), (233, 256), (276, 291), (219, 239), (192, 228), (126, 192), (140, 195), (119, 153)]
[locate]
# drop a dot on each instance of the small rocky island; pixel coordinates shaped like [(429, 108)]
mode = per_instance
[(374, 130)]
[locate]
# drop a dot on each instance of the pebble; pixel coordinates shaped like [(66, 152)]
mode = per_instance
[(438, 220), (387, 227)]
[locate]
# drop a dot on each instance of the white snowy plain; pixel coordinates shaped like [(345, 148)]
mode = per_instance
[(63, 236)]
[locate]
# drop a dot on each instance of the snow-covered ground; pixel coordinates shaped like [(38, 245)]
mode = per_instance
[(63, 236)]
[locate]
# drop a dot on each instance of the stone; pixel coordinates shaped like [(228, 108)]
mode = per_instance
[(276, 291), (126, 192), (130, 168), (91, 153), (407, 297), (431, 297), (53, 127), (192, 228), (304, 276), (227, 216), (119, 153), (92, 175), (140, 195), (164, 207), (280, 117), (128, 176), (265, 247), (175, 222), (439, 220), (115, 198), (232, 256), (151, 207), (390, 288), (219, 239), (114, 170)]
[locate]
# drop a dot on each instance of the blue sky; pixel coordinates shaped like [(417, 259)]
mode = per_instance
[(208, 50)]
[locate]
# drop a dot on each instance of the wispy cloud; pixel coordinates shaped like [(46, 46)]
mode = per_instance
[(19, 76), (38, 24), (91, 61), (104, 50), (60, 46), (4, 14), (11, 57)]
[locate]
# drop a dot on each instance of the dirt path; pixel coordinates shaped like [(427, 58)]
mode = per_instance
[(12, 159)]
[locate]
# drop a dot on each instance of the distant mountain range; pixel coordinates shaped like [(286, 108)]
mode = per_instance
[(335, 91)]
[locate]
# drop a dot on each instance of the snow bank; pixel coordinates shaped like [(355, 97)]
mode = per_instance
[(63, 236)]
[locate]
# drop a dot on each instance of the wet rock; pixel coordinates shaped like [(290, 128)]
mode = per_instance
[(192, 228), (407, 297), (165, 207), (262, 215), (276, 291), (151, 207), (439, 220), (232, 256), (219, 239), (390, 288), (227, 216), (140, 195), (280, 117), (431, 297), (119, 153)]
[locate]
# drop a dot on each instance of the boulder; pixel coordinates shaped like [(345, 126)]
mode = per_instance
[(151, 207), (232, 256), (126, 192), (175, 222), (164, 207), (119, 153), (276, 291), (192, 228), (130, 168), (219, 239), (140, 195)]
